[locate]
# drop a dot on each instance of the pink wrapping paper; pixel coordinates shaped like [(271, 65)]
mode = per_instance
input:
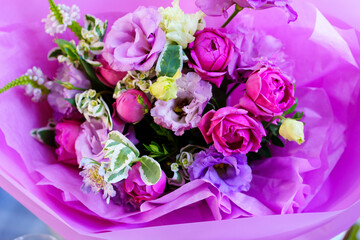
[(321, 176)]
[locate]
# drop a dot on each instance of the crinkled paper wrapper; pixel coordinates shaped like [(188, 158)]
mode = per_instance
[(318, 181)]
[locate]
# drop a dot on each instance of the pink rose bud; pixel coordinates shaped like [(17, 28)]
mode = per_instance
[(66, 134), (132, 105), (211, 53), (268, 93), (232, 130), (135, 187), (107, 75)]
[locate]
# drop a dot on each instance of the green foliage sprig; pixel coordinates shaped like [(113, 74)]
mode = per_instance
[(56, 11), (24, 80)]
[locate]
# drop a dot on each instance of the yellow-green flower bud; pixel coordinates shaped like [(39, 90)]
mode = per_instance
[(292, 130), (165, 87)]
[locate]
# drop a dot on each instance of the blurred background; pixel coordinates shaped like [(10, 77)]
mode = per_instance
[(16, 220)]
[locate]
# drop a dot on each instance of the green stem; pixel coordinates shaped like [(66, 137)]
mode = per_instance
[(236, 11), (24, 80)]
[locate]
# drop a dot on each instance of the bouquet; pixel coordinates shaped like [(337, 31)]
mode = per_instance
[(158, 117)]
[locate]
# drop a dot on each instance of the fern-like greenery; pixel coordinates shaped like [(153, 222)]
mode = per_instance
[(76, 29), (24, 80), (56, 11)]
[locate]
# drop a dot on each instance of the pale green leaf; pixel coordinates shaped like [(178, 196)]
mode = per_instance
[(150, 170)]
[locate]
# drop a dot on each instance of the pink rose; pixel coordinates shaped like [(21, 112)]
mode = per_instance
[(135, 187), (232, 130), (107, 75), (66, 134), (268, 93), (132, 105), (211, 53), (135, 41)]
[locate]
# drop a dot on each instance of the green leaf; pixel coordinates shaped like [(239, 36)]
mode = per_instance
[(56, 11), (71, 101), (89, 22), (114, 177), (45, 135), (274, 129), (264, 152), (120, 138), (55, 52), (162, 132), (150, 170), (76, 29), (292, 109), (298, 116), (170, 60), (68, 48), (95, 82), (276, 141)]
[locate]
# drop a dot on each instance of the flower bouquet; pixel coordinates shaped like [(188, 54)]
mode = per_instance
[(171, 117)]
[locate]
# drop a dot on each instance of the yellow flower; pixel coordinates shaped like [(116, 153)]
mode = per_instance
[(292, 130), (178, 26), (165, 87)]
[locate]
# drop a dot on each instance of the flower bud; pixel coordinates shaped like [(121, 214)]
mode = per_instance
[(292, 130)]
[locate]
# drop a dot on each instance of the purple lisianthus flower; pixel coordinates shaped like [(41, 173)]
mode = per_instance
[(254, 49), (58, 94), (219, 7), (135, 41), (89, 142), (185, 111), (228, 173)]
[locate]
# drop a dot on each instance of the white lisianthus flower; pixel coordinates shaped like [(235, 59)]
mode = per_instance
[(178, 26), (292, 130)]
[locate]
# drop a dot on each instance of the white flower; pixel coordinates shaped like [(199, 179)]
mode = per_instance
[(93, 179), (41, 82), (292, 130), (178, 26), (69, 14)]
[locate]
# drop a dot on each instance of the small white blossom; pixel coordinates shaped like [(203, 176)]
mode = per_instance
[(93, 179), (41, 80), (69, 14), (174, 167)]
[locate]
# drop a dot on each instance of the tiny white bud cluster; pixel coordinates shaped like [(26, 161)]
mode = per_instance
[(38, 76), (69, 14)]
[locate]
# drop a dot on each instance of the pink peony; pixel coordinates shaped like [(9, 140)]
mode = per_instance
[(232, 131), (66, 134), (132, 105), (268, 93), (107, 75), (211, 53), (135, 41), (135, 187)]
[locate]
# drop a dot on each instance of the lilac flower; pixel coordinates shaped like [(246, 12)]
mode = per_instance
[(253, 49), (123, 199), (185, 111), (219, 7), (56, 98), (135, 41), (89, 142), (229, 174)]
